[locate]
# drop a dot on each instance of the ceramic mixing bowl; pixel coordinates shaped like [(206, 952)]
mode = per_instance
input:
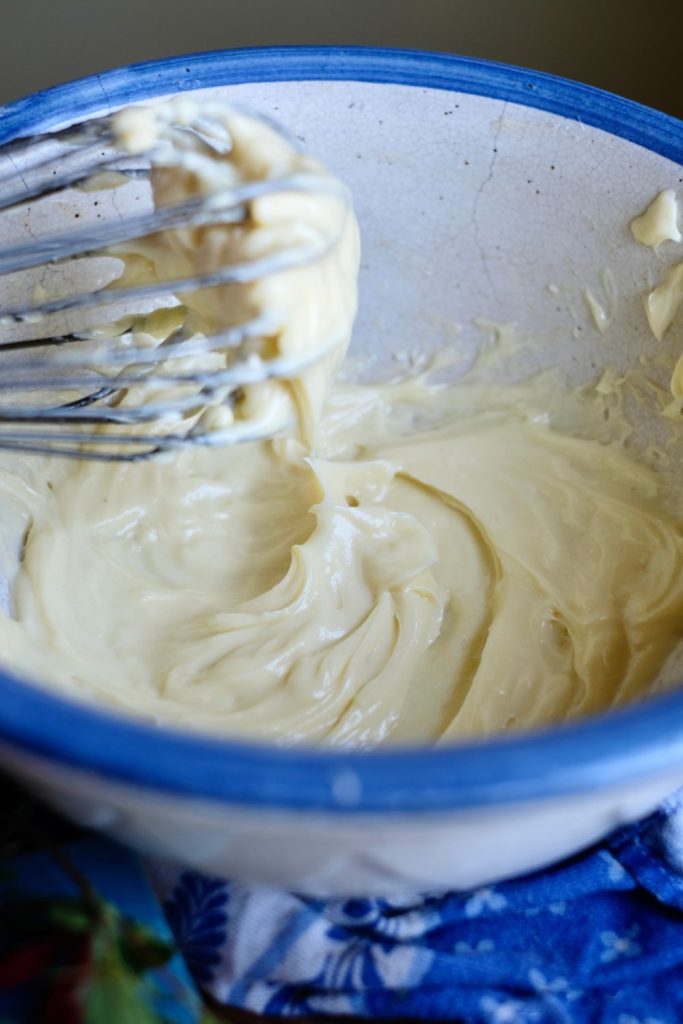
[(484, 193)]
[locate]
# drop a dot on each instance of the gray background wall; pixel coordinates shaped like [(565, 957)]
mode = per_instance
[(632, 47)]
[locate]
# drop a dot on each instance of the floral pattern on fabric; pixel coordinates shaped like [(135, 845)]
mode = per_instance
[(197, 915), (597, 939)]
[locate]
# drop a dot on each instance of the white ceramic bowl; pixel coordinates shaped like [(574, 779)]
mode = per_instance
[(476, 186)]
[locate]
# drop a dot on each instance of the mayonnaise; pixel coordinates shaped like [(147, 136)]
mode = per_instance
[(421, 562)]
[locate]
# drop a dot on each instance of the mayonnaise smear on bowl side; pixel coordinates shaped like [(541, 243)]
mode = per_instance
[(432, 561)]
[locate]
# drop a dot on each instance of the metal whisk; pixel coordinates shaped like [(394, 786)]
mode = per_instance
[(60, 390)]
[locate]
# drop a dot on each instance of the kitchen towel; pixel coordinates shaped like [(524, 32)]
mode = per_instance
[(597, 939)]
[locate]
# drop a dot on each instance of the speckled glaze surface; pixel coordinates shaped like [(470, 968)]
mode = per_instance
[(477, 187)]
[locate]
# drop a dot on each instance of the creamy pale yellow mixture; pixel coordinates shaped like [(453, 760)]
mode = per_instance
[(309, 308), (659, 222), (656, 225), (434, 561)]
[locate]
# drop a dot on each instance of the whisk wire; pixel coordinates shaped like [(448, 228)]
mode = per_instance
[(89, 370)]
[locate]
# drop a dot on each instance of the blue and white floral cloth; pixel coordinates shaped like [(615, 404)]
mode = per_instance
[(597, 939)]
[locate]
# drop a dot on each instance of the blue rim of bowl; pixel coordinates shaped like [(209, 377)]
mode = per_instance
[(642, 741)]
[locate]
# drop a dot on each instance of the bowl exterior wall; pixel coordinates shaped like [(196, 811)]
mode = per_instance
[(342, 854)]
